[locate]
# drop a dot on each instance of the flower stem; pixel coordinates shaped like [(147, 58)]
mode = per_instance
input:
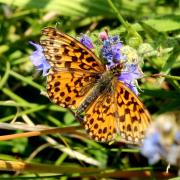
[(132, 33), (166, 76), (121, 19), (6, 75)]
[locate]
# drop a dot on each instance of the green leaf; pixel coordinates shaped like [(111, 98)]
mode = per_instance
[(165, 23), (72, 8)]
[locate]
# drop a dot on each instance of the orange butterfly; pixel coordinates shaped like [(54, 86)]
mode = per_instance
[(79, 80)]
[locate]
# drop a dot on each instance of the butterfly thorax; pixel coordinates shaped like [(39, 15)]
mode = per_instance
[(103, 84)]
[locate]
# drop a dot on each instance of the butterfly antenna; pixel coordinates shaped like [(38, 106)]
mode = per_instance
[(57, 24)]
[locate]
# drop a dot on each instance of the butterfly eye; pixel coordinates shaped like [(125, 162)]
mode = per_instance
[(120, 66)]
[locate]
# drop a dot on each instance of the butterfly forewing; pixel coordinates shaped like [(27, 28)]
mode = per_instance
[(63, 51), (69, 88), (74, 68)]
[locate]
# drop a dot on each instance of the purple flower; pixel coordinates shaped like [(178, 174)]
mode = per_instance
[(154, 150), (133, 87), (162, 140), (86, 41), (177, 137), (130, 72), (151, 148), (111, 50), (38, 59), (129, 75), (174, 154), (103, 35)]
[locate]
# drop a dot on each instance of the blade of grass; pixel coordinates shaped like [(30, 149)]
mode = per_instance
[(14, 96), (40, 132), (19, 114), (6, 75), (27, 80), (17, 104)]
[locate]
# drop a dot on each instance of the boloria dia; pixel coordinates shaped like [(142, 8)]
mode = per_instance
[(80, 81)]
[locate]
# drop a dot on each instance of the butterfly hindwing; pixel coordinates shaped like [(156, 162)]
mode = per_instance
[(100, 118), (117, 111), (133, 118)]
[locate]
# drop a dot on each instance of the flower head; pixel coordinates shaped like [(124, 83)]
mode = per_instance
[(151, 148), (103, 35), (111, 50), (129, 76), (38, 59), (177, 137), (132, 86), (86, 41), (114, 52), (162, 140)]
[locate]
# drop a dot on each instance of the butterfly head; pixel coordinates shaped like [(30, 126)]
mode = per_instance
[(117, 69)]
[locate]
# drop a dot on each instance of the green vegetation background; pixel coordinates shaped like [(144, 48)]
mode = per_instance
[(21, 86)]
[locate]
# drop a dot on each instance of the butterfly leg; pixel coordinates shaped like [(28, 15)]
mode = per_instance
[(77, 116)]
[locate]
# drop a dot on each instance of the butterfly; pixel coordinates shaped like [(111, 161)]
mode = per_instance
[(78, 80)]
